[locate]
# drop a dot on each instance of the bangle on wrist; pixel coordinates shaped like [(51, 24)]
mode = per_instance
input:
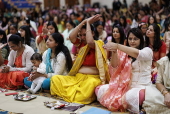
[(162, 90), (87, 31), (78, 28), (166, 92)]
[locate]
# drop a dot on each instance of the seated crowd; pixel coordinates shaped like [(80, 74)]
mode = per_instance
[(127, 70)]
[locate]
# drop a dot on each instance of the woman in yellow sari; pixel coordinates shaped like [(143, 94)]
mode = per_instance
[(89, 69)]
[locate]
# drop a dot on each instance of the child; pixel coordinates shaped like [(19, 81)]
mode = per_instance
[(38, 66)]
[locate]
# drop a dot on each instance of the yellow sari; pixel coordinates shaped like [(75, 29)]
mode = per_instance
[(78, 87)]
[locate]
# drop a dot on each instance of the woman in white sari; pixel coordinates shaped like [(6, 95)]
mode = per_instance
[(157, 99)]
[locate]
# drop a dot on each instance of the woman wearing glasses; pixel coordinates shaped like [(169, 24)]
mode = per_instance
[(130, 74)]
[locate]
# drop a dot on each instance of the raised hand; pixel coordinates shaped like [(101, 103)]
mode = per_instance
[(110, 46), (93, 18)]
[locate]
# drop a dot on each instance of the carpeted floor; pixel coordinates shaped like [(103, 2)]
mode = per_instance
[(36, 106)]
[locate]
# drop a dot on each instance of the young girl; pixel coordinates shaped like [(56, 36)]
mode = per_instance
[(38, 66), (166, 37)]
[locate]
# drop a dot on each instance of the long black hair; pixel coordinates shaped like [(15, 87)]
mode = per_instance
[(28, 34), (96, 24), (52, 23), (168, 55), (125, 22), (62, 48), (121, 32), (157, 41), (4, 38), (153, 18)]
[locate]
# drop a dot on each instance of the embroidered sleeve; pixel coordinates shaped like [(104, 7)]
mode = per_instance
[(59, 65)]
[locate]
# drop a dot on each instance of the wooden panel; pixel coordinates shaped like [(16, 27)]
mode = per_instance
[(86, 1), (70, 2), (51, 3)]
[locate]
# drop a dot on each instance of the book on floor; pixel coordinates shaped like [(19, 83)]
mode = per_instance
[(96, 111)]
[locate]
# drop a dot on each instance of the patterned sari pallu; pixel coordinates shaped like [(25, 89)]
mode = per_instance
[(112, 95)]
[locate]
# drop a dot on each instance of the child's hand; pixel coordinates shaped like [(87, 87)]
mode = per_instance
[(34, 68), (29, 78)]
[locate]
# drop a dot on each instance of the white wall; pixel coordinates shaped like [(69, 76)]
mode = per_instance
[(108, 3)]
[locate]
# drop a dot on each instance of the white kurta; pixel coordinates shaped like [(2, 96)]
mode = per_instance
[(141, 77), (41, 69), (154, 100), (58, 64)]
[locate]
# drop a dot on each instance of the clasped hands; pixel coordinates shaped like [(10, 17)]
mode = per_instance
[(110, 46), (5, 69)]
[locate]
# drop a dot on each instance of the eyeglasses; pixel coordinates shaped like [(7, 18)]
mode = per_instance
[(133, 39)]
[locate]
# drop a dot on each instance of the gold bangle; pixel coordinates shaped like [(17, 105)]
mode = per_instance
[(166, 92), (87, 31), (162, 90), (78, 28)]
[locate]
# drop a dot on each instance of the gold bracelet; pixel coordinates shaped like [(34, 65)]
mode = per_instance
[(162, 90), (87, 31), (165, 93), (78, 28)]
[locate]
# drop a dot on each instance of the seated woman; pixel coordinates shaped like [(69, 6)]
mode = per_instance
[(57, 59), (19, 64), (118, 36), (69, 28), (1, 57), (157, 101), (48, 29), (158, 47), (27, 36), (133, 73), (100, 32), (4, 50), (89, 69)]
